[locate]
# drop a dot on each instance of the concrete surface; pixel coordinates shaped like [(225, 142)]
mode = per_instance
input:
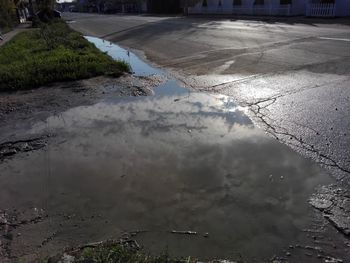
[(9, 35)]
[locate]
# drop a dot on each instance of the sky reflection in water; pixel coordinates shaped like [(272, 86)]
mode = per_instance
[(190, 161)]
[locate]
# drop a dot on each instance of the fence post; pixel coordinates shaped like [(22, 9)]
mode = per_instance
[(329, 10)]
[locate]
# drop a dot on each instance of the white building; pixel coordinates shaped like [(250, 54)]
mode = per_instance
[(317, 8)]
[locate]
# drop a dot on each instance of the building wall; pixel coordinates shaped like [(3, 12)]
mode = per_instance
[(298, 7), (269, 7), (342, 8), (164, 6)]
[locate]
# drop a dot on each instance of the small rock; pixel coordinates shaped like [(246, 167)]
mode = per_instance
[(333, 260), (320, 203), (67, 259), (184, 232)]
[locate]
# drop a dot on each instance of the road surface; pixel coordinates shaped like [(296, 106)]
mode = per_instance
[(292, 73)]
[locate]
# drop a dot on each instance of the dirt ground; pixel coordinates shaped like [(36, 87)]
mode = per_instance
[(41, 103), (61, 96), (51, 100)]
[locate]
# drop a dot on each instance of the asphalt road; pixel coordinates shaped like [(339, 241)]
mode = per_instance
[(293, 74)]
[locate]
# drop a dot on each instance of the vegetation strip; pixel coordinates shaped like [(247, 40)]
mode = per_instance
[(123, 251), (52, 53)]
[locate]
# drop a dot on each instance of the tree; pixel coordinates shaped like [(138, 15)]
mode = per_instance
[(46, 11), (8, 16), (45, 5)]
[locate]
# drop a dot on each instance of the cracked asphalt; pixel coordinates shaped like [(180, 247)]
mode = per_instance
[(293, 73)]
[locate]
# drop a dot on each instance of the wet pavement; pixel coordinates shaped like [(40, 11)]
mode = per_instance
[(187, 172), (292, 72)]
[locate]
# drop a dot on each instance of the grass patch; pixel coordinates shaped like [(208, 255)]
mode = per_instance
[(112, 252), (52, 53)]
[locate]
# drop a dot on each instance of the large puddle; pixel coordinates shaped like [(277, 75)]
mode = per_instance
[(178, 160)]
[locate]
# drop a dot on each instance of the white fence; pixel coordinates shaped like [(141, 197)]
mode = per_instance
[(319, 9), (281, 10)]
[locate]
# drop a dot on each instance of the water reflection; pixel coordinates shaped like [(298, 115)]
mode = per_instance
[(185, 162), (139, 67)]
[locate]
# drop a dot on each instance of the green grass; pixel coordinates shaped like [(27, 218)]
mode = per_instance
[(110, 252), (52, 53)]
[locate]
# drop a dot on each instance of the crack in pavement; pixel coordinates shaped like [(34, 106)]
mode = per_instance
[(301, 89), (334, 203), (276, 73), (276, 131)]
